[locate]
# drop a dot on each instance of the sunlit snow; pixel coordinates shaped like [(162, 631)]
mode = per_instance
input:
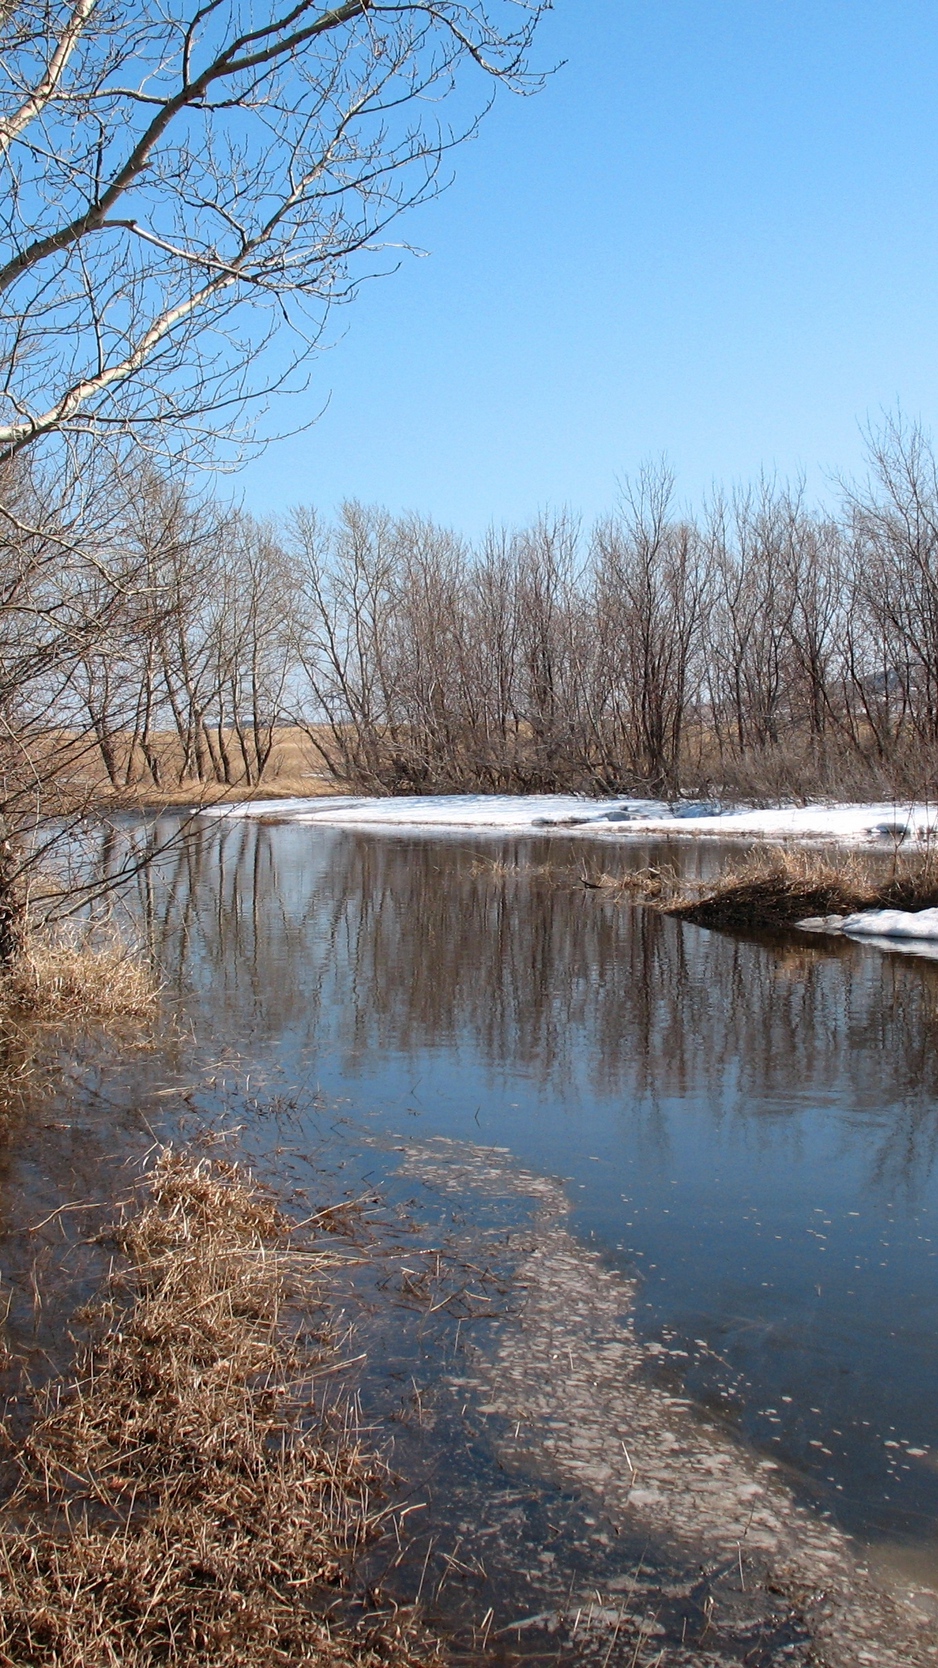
[(893, 924), (872, 824)]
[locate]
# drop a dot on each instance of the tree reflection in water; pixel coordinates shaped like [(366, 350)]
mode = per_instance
[(764, 1111), (360, 945)]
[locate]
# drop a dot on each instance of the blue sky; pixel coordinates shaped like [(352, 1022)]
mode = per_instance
[(714, 235)]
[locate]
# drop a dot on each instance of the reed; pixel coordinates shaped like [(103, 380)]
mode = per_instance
[(79, 974), (649, 884), (193, 1494), (782, 885)]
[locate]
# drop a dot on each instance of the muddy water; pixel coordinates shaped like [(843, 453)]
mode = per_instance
[(747, 1130)]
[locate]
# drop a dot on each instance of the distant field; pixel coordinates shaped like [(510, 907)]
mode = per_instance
[(294, 769)]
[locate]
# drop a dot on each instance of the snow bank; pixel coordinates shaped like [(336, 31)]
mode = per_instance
[(599, 818), (893, 923)]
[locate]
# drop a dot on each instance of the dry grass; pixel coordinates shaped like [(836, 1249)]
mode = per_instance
[(496, 868), (651, 884), (183, 796), (775, 887), (295, 770), (66, 980), (782, 885), (79, 975), (187, 1498)]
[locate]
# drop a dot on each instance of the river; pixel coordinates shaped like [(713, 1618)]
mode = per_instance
[(746, 1130)]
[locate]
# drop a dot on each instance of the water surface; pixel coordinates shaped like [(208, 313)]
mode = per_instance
[(750, 1126)]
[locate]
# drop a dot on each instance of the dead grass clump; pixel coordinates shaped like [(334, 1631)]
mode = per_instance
[(496, 868), (649, 883), (188, 1497), (783, 885), (653, 884), (85, 974)]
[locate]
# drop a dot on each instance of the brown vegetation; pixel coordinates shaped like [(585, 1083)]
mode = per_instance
[(648, 884), (65, 980), (129, 603), (778, 886), (79, 975), (294, 770), (163, 650), (195, 1494), (783, 885), (758, 649)]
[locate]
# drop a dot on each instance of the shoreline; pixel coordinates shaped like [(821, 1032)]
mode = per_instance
[(874, 824), (610, 1519), (814, 868), (884, 826), (850, 894), (194, 1485)]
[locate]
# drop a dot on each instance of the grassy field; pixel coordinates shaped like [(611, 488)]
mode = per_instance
[(68, 771), (295, 769)]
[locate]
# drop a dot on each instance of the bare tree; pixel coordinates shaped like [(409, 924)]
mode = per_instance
[(181, 182), (894, 641), (345, 589), (250, 632), (817, 581), (548, 575), (651, 582), (749, 637)]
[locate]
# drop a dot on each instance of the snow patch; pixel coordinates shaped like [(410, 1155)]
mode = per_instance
[(618, 819), (893, 923)]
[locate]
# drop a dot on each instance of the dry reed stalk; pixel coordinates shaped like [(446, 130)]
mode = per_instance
[(782, 885), (190, 1496), (81, 974), (75, 978), (496, 868), (650, 883)]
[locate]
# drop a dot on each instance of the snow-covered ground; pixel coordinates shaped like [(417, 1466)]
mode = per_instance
[(882, 824)]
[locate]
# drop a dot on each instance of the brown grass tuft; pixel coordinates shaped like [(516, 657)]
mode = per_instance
[(191, 1496), (649, 883), (782, 885), (81, 974)]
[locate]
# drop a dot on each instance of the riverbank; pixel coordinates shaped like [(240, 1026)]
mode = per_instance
[(196, 1490), (829, 867), (67, 981), (200, 1488), (571, 1497), (78, 975), (787, 887), (886, 825), (194, 796)]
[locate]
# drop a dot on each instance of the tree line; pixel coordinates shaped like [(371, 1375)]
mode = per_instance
[(188, 191), (760, 646)]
